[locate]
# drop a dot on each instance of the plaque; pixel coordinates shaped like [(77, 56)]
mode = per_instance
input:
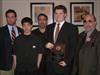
[(58, 52)]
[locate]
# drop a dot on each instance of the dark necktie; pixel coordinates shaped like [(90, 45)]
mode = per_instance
[(57, 32), (13, 35)]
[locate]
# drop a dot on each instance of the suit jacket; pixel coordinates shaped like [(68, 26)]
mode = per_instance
[(87, 59), (68, 36), (6, 50)]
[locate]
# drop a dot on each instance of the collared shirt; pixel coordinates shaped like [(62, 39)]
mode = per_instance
[(89, 34), (60, 26), (15, 29)]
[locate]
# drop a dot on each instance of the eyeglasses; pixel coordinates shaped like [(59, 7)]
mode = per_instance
[(90, 21)]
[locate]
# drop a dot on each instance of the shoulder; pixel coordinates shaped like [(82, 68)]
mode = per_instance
[(34, 31), (3, 28), (17, 40), (70, 27), (19, 37), (51, 25), (35, 37), (98, 34), (82, 33), (19, 28)]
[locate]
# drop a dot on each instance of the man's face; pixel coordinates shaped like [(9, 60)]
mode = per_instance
[(42, 21), (11, 19), (59, 15), (27, 27), (89, 23)]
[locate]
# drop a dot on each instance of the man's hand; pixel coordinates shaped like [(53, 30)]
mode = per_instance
[(14, 62), (49, 45), (62, 63)]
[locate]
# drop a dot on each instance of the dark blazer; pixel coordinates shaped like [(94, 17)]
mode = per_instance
[(6, 48), (87, 59), (68, 35)]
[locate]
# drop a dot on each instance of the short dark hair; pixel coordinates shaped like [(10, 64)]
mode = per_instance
[(10, 11), (61, 7), (26, 20), (42, 14)]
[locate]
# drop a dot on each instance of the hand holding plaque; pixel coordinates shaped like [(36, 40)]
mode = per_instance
[(58, 52)]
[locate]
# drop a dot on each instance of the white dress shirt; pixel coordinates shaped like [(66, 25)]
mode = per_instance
[(60, 26)]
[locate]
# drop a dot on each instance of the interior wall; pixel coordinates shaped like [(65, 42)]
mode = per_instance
[(22, 7), (0, 12)]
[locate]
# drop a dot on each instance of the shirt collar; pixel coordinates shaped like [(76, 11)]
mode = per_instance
[(90, 32), (10, 26), (61, 23)]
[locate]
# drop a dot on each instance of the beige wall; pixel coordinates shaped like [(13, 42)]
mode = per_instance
[(22, 7), (0, 12)]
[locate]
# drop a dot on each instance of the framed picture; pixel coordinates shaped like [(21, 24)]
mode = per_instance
[(45, 8), (0, 14), (78, 10)]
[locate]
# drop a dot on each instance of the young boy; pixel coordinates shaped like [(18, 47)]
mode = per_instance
[(28, 50)]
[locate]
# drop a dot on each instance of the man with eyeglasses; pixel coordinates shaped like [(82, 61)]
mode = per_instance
[(87, 60)]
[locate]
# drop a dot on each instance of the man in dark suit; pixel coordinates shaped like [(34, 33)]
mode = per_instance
[(87, 59), (62, 37), (7, 35)]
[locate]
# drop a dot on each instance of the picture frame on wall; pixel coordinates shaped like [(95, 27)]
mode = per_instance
[(78, 10), (45, 8)]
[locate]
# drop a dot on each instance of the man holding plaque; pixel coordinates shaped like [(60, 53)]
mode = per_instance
[(62, 40)]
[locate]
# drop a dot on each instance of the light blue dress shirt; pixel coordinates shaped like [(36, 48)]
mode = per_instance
[(15, 29)]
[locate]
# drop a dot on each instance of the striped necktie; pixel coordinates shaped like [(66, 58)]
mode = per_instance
[(13, 34)]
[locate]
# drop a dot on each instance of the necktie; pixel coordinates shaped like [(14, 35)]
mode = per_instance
[(13, 35), (57, 32)]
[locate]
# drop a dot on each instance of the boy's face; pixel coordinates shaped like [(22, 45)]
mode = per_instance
[(27, 27)]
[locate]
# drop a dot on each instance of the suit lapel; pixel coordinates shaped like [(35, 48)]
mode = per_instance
[(82, 39), (19, 31), (60, 35), (52, 30), (93, 34), (6, 33)]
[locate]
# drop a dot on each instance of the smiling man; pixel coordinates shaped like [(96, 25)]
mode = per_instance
[(87, 61), (61, 35), (8, 33)]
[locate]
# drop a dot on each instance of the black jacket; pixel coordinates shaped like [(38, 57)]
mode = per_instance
[(6, 50), (68, 35)]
